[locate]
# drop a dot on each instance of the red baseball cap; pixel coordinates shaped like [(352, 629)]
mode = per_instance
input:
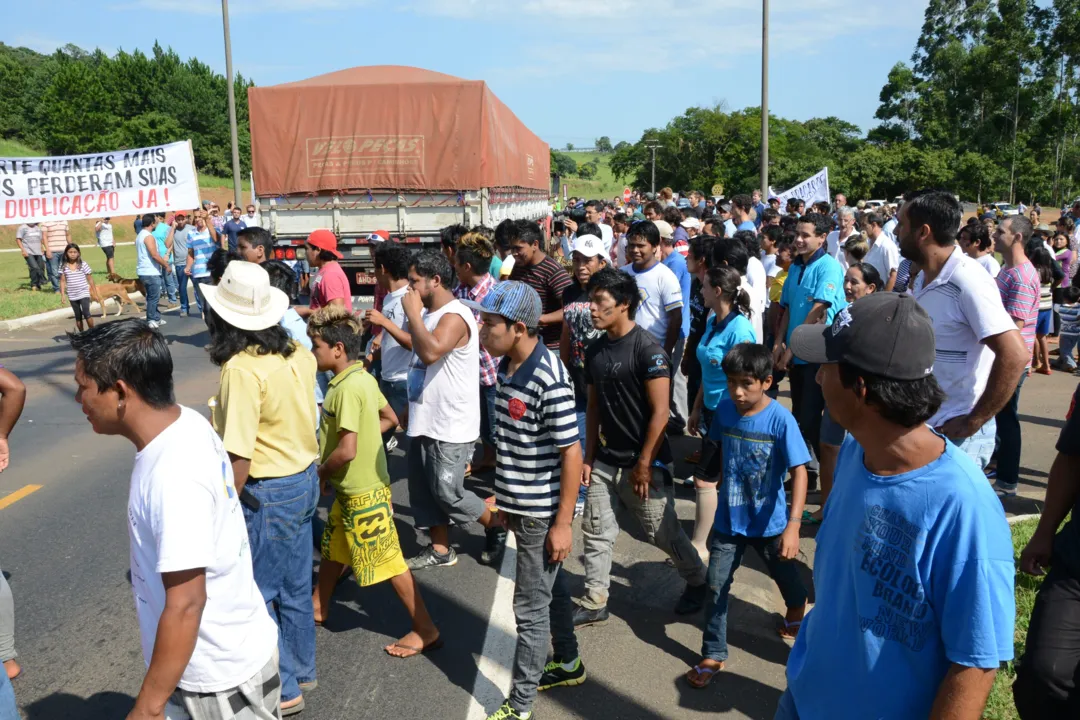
[(324, 240), (379, 236)]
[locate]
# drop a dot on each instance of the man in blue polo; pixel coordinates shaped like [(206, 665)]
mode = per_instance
[(813, 293)]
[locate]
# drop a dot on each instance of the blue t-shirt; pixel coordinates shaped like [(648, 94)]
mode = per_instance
[(759, 209), (496, 267), (720, 336), (913, 572), (202, 247), (820, 280), (677, 264), (748, 225), (231, 229), (161, 233), (758, 450)]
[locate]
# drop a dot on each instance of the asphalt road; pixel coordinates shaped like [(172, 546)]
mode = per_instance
[(64, 548)]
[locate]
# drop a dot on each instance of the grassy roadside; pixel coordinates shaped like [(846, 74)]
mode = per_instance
[(1000, 704), (16, 298), (603, 186)]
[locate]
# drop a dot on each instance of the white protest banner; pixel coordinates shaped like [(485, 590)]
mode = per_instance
[(811, 190), (76, 187)]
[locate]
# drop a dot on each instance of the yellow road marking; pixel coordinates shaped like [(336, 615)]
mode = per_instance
[(18, 495)]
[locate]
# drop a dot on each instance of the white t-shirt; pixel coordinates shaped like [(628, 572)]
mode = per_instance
[(836, 247), (607, 236), (758, 297), (105, 235), (965, 306), (769, 263), (443, 401), (251, 220), (991, 264), (884, 256), (184, 513), (755, 273), (395, 359), (660, 294)]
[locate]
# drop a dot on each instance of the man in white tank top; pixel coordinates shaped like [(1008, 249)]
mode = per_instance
[(444, 411)]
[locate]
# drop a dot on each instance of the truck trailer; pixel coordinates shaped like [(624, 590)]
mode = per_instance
[(389, 151)]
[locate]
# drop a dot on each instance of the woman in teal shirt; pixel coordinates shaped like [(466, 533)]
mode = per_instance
[(727, 326)]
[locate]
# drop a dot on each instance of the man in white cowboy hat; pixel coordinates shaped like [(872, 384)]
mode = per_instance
[(265, 414)]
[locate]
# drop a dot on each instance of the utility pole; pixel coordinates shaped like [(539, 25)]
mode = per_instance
[(1016, 124), (232, 105), (765, 99), (652, 145)]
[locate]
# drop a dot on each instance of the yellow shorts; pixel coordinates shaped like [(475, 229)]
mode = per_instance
[(360, 533)]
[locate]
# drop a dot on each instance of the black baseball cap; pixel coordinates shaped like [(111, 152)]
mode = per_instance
[(885, 334)]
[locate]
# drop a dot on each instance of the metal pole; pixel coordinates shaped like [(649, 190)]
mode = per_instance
[(232, 105), (654, 168), (765, 99), (652, 144)]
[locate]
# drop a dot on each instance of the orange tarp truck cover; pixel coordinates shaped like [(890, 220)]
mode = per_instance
[(389, 127)]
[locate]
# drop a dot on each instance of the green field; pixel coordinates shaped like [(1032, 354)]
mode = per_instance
[(604, 186), (16, 298), (14, 148), (1000, 704)]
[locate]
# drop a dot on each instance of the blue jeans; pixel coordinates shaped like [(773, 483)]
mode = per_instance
[(487, 415), (980, 446), (280, 536), (582, 491), (53, 265), (36, 264), (543, 609), (8, 709), (1009, 439), (153, 285), (725, 556), (1066, 348), (169, 277), (181, 284), (396, 393), (785, 709), (197, 291)]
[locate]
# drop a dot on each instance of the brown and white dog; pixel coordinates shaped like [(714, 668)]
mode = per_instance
[(118, 288)]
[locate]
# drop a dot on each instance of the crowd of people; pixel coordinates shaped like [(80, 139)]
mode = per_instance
[(565, 366)]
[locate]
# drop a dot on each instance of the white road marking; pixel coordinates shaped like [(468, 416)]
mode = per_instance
[(494, 668)]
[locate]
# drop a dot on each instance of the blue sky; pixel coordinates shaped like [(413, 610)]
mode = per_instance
[(572, 70)]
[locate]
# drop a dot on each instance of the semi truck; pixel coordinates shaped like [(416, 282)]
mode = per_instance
[(389, 152)]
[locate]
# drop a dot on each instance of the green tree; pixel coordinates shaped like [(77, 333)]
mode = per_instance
[(562, 164), (603, 144)]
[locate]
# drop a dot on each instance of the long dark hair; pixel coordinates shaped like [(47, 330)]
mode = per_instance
[(77, 251), (727, 281), (228, 340)]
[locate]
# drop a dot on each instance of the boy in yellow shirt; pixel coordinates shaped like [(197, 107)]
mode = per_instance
[(360, 530)]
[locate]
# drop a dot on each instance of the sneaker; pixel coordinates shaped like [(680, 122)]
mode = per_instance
[(589, 616), (1004, 490), (506, 712), (309, 685), (161, 322), (558, 674), (292, 707), (391, 444), (493, 548), (154, 325), (428, 558), (692, 600)]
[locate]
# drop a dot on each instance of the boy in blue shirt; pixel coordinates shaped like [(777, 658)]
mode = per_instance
[(756, 442), (914, 564)]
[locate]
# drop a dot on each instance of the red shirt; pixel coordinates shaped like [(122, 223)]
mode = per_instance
[(328, 285)]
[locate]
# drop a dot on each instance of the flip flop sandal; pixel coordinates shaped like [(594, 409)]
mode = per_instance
[(415, 651), (705, 676), (809, 519), (789, 630)]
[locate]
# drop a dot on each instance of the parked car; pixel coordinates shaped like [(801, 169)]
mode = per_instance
[(873, 205), (1004, 209)]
